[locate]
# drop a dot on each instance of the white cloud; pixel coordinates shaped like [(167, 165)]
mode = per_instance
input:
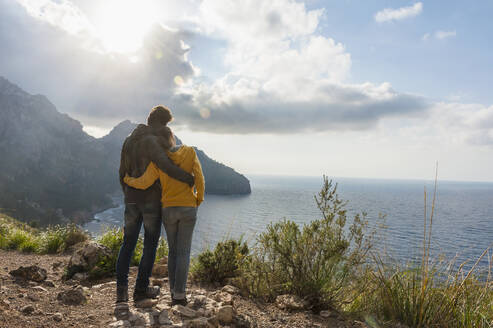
[(283, 77), (389, 14), (439, 35), (445, 34)]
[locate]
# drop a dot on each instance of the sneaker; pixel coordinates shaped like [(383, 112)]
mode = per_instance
[(149, 292), (182, 301)]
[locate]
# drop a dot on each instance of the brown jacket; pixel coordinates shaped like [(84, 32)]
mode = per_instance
[(139, 149)]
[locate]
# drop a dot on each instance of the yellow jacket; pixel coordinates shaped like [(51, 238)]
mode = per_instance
[(174, 192)]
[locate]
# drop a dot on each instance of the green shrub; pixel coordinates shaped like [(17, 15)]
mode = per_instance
[(3, 241), (52, 240), (16, 238), (323, 261), (223, 262), (4, 233), (162, 249), (113, 239), (30, 245)]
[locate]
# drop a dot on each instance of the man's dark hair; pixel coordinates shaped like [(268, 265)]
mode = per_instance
[(159, 115)]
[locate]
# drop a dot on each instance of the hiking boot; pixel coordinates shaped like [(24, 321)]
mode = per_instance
[(149, 292), (182, 301), (122, 311), (121, 294)]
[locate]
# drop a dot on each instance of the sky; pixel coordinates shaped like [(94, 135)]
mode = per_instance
[(375, 89)]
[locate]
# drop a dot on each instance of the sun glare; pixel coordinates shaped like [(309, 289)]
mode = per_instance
[(123, 24)]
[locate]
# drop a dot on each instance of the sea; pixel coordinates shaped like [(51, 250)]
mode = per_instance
[(462, 226)]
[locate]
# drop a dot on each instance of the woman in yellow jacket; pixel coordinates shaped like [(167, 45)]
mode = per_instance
[(179, 214)]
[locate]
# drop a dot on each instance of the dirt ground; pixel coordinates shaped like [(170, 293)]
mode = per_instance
[(47, 311)]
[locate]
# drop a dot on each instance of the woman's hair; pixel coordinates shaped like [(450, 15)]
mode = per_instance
[(165, 135), (159, 115)]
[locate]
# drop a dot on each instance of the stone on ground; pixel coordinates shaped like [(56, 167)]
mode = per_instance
[(33, 272), (58, 317), (85, 257), (289, 302), (74, 296), (27, 309), (230, 289), (120, 324), (146, 303), (225, 314), (160, 270), (184, 311)]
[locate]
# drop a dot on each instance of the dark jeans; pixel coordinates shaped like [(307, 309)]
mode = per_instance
[(135, 215), (179, 223)]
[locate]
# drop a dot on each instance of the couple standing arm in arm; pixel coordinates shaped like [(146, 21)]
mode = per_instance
[(179, 202), (146, 153)]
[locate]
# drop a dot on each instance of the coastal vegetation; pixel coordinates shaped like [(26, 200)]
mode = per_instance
[(328, 264)]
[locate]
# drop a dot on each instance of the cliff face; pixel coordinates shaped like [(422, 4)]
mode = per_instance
[(51, 169)]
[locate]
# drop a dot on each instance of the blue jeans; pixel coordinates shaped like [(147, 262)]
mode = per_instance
[(179, 223), (135, 215)]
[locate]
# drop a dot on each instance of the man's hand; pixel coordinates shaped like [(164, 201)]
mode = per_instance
[(191, 181)]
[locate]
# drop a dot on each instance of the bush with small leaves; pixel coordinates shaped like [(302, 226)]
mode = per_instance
[(223, 262), (319, 261)]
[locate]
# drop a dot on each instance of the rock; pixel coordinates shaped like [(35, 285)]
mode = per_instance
[(163, 318), (40, 289), (5, 304), (149, 318), (162, 306), (146, 303), (225, 314), (224, 298), (243, 321), (28, 309), (120, 324), (85, 257), (33, 272), (213, 322), (328, 314), (55, 266), (200, 291), (184, 311), (197, 323), (80, 276), (289, 302), (158, 282), (49, 283), (231, 290), (199, 301), (58, 317), (160, 270), (74, 296), (137, 319), (33, 297)]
